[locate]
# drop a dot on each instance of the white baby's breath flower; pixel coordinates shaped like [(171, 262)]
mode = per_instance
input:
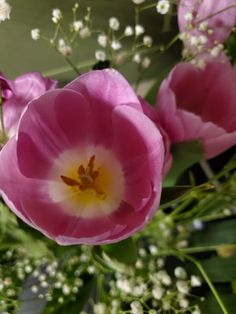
[(180, 273), (136, 307), (35, 34), (77, 25), (184, 303), (137, 58), (114, 23), (158, 292), (102, 40), (138, 1), (146, 62), (163, 6), (188, 16), (56, 15), (85, 32), (100, 55), (195, 281), (99, 308), (147, 41), (139, 30), (5, 10), (182, 286), (63, 48), (128, 31), (203, 27), (115, 45)]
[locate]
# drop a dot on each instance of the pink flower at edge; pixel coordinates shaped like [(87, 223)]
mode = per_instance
[(200, 104), (18, 93), (151, 113), (204, 36), (86, 164)]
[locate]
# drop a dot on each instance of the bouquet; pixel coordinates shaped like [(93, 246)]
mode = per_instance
[(117, 170)]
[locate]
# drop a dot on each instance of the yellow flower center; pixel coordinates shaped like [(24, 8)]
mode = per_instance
[(89, 186)]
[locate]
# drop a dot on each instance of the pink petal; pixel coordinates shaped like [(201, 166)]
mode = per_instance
[(107, 86)]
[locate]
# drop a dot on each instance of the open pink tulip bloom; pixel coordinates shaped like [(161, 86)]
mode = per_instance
[(196, 104), (86, 163), (17, 94)]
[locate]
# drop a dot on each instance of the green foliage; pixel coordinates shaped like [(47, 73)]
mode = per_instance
[(124, 251), (185, 155)]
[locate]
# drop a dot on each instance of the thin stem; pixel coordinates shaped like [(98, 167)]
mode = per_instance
[(209, 173), (216, 13), (208, 281), (77, 71)]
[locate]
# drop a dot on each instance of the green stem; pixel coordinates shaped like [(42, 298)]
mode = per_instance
[(209, 173), (77, 71), (216, 13), (208, 281)]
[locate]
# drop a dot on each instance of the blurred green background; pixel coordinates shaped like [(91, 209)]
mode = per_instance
[(19, 53)]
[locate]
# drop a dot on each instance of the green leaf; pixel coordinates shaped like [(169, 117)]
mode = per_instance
[(210, 306), (220, 269), (124, 252), (185, 155), (218, 232)]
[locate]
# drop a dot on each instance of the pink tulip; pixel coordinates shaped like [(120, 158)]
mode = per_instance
[(206, 25), (200, 104), (18, 93), (151, 113), (86, 163)]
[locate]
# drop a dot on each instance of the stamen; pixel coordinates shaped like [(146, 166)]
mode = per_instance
[(86, 179)]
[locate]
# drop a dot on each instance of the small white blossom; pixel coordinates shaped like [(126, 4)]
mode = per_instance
[(158, 292), (136, 307), (195, 281), (193, 40), (147, 41), (153, 249), (202, 39), (128, 31), (35, 34), (188, 16), (146, 62), (197, 224), (124, 285), (164, 277), (114, 23), (63, 48), (180, 273), (196, 311), (139, 30), (99, 308), (100, 55), (182, 286), (163, 6), (137, 58), (203, 26), (5, 10), (78, 25), (184, 303), (66, 289), (56, 15), (102, 40), (166, 305), (115, 45), (85, 32), (34, 289), (44, 284), (216, 51), (138, 1)]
